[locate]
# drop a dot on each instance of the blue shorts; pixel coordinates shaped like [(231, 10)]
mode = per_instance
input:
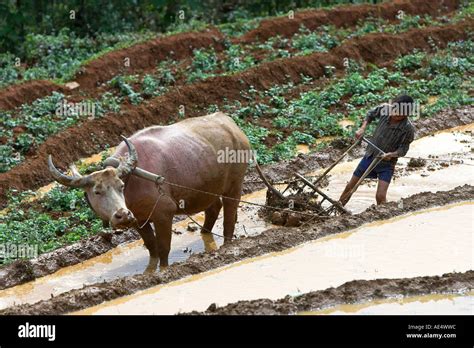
[(383, 171)]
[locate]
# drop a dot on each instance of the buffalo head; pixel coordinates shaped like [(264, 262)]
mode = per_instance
[(104, 188)]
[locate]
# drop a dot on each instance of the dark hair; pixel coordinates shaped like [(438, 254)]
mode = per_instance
[(404, 104)]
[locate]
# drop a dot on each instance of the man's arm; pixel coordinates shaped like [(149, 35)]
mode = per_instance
[(371, 116), (403, 147), (405, 144)]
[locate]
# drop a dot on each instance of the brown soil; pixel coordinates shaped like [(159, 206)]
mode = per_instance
[(146, 55), (26, 92), (90, 136), (355, 291), (23, 271), (91, 75), (345, 16), (295, 208), (275, 239), (416, 163)]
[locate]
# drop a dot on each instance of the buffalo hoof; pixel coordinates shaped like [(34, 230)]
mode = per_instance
[(152, 266), (209, 242)]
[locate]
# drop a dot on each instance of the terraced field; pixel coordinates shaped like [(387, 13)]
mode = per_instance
[(298, 87)]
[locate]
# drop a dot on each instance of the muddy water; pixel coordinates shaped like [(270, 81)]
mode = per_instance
[(445, 145), (433, 304), (421, 243), (132, 258)]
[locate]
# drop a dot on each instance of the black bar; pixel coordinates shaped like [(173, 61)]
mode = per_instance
[(210, 330)]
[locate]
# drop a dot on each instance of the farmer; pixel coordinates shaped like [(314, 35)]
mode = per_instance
[(393, 135)]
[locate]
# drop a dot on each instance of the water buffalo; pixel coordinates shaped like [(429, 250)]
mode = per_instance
[(185, 153)]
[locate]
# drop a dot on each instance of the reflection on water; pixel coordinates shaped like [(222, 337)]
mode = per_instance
[(132, 258), (432, 304), (447, 145), (418, 244)]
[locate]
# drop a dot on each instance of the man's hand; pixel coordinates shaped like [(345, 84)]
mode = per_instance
[(389, 156), (360, 132)]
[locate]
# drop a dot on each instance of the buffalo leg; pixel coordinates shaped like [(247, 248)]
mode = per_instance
[(163, 238), (230, 214), (149, 240), (211, 215)]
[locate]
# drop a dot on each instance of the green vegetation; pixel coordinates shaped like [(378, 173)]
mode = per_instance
[(122, 83), (24, 129), (59, 56), (275, 120), (204, 61), (90, 18), (322, 40), (61, 217), (446, 75), (419, 74), (54, 45)]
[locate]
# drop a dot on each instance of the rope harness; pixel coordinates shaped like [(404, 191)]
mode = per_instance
[(161, 180)]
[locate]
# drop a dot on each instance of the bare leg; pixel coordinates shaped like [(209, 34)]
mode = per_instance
[(149, 240), (211, 213), (381, 195), (345, 197)]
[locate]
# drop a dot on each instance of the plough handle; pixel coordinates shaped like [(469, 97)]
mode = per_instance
[(266, 182), (372, 165), (337, 161)]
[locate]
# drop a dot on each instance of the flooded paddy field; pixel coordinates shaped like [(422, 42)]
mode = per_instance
[(132, 258), (451, 293), (407, 246), (432, 304), (272, 240)]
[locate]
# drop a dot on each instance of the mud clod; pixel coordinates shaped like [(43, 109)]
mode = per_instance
[(356, 291), (416, 163), (303, 202), (271, 240)]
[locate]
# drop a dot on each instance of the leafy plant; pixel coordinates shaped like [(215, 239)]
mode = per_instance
[(122, 84), (204, 61)]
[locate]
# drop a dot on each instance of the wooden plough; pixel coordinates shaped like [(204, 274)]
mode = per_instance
[(301, 184)]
